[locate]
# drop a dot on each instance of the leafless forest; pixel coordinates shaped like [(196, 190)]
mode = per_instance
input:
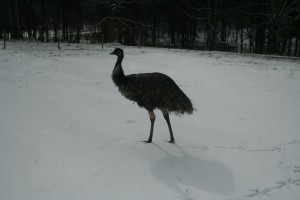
[(250, 26)]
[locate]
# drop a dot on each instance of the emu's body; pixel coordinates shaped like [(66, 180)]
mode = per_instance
[(151, 91)]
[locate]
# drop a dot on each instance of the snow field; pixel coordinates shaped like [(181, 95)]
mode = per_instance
[(67, 133)]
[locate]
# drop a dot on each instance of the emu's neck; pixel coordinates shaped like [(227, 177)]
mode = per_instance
[(118, 73), (119, 60)]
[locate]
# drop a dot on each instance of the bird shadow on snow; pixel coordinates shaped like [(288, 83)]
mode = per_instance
[(183, 173)]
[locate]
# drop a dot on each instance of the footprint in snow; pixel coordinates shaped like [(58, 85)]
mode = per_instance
[(202, 148), (296, 182), (38, 72), (278, 185), (294, 142), (129, 121), (297, 169), (265, 191)]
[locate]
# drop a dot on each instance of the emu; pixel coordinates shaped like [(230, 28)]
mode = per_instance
[(151, 91)]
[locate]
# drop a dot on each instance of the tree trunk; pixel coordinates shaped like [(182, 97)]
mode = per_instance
[(154, 32), (296, 47), (242, 40), (16, 20), (65, 21), (55, 27), (259, 39), (224, 30), (251, 40), (10, 18), (237, 35), (172, 33), (182, 32), (79, 22), (47, 32), (4, 40), (212, 16), (289, 46), (283, 49), (42, 30)]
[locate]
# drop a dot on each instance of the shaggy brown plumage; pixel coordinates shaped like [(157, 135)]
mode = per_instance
[(151, 91)]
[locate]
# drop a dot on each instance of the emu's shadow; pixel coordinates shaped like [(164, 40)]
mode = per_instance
[(180, 172)]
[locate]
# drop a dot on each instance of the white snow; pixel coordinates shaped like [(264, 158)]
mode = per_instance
[(66, 133)]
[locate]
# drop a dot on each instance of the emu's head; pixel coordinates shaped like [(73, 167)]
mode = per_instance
[(118, 52)]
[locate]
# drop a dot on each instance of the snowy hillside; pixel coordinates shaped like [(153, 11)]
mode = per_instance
[(66, 133)]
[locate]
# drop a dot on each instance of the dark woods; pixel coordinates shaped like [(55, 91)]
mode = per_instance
[(254, 26)]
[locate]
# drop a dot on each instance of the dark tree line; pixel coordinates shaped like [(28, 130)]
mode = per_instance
[(258, 26)]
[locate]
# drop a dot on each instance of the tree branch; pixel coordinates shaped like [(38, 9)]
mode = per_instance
[(123, 21), (197, 9), (191, 16)]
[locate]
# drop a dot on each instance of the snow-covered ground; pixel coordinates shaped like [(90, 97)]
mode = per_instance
[(66, 133)]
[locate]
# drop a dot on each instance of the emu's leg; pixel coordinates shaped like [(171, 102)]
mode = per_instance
[(167, 118), (152, 119)]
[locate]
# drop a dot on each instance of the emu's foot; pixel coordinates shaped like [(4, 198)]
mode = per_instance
[(148, 141), (171, 141)]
